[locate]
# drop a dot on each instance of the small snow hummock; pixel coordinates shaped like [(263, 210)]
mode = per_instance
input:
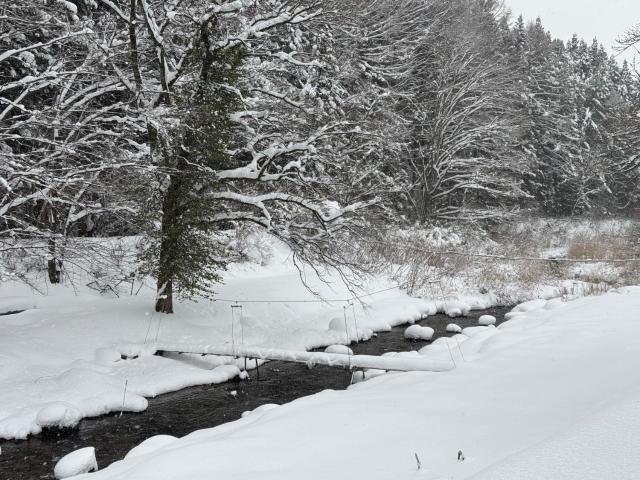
[(151, 444), (75, 463), (58, 414), (343, 349), (418, 332), (487, 320), (453, 328), (262, 408), (454, 308)]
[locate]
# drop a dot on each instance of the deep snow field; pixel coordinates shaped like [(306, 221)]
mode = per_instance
[(552, 393)]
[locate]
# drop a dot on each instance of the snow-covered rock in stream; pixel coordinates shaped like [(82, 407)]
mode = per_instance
[(151, 444), (418, 332), (343, 349), (75, 463), (58, 414), (454, 328), (487, 320)]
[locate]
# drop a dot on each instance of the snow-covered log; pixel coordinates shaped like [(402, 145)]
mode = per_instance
[(400, 364)]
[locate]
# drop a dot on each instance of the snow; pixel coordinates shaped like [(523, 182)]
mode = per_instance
[(261, 409), (363, 375), (107, 355), (530, 305), (384, 362), (604, 445), (486, 320), (418, 332), (548, 394), (151, 444), (75, 463), (58, 414), (453, 328), (95, 354), (454, 308), (15, 304), (343, 349)]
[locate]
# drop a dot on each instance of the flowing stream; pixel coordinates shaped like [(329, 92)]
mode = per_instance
[(190, 409)]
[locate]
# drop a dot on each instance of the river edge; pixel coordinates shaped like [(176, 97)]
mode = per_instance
[(183, 411)]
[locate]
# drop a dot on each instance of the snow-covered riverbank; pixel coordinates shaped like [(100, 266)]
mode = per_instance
[(553, 393), (60, 359)]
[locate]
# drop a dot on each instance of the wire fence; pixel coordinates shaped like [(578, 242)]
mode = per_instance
[(318, 300)]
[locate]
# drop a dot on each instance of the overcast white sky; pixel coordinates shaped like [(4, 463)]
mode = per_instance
[(604, 19)]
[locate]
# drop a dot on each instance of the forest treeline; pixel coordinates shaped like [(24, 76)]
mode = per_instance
[(180, 120)]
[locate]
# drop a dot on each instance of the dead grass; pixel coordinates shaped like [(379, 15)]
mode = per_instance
[(413, 262), (600, 247)]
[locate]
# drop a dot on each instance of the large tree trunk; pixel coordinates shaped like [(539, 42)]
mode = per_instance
[(54, 266), (164, 301), (169, 243)]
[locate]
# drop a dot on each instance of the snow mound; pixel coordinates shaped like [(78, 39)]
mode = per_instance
[(453, 328), (454, 308), (151, 444), (479, 302), (487, 320), (58, 414), (418, 332), (530, 305), (75, 463), (343, 349), (262, 408), (512, 315)]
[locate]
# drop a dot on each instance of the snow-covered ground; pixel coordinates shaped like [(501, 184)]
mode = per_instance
[(61, 359), (553, 393)]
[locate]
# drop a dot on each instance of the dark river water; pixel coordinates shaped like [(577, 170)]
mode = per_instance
[(190, 409)]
